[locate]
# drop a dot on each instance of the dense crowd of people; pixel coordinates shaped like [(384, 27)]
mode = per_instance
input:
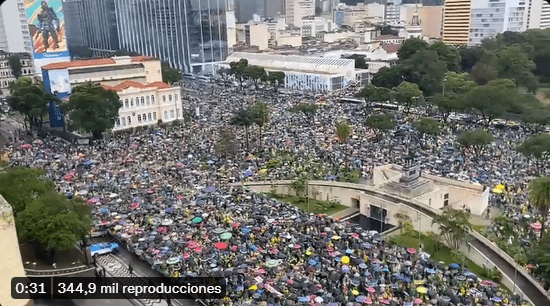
[(166, 194)]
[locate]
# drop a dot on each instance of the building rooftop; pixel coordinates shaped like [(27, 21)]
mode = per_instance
[(94, 62), (127, 84), (391, 48), (292, 62)]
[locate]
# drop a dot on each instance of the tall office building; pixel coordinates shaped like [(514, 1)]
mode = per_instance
[(274, 7), (244, 9), (295, 10), (392, 14), (456, 22), (538, 14), (14, 30), (491, 17), (188, 34), (91, 25)]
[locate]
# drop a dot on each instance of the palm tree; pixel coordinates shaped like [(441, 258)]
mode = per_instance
[(343, 130), (260, 114), (540, 197), (243, 118)]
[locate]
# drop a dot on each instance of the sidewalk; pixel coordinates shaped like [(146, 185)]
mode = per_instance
[(32, 259)]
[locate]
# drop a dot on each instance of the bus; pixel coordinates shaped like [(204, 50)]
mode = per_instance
[(381, 106), (350, 100)]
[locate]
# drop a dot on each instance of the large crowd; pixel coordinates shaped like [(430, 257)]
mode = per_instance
[(167, 196)]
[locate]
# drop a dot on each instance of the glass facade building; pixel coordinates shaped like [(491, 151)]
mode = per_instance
[(188, 34)]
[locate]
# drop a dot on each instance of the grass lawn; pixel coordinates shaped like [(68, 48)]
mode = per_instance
[(479, 228), (444, 254), (315, 206)]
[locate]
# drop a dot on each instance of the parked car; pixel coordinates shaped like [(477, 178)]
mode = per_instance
[(104, 248)]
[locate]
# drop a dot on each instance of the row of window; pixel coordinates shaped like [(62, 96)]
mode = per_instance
[(8, 73), (147, 117), (146, 100)]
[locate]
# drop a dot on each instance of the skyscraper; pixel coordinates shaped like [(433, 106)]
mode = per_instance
[(188, 34), (14, 29), (91, 24), (244, 9), (489, 18), (456, 22), (295, 10)]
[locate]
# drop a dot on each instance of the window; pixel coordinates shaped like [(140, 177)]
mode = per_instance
[(486, 25), (177, 112), (479, 15), (446, 198), (176, 97), (163, 99), (126, 103), (131, 102), (137, 101), (172, 114), (170, 98), (123, 121), (149, 117), (165, 115), (152, 99), (139, 118), (142, 101), (118, 122), (144, 117), (147, 100), (129, 120), (154, 115)]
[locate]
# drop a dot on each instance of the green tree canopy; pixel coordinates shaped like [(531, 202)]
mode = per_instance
[(424, 69), (239, 70), (458, 83), (427, 126), (537, 148), (359, 61), (15, 64), (93, 109), (469, 56), (20, 185), (539, 194), (493, 99), (484, 70), (407, 94), (448, 103), (169, 74), (226, 145), (243, 118), (30, 100), (255, 74), (447, 54), (381, 123), (343, 130), (475, 141), (454, 226), (276, 78), (54, 222), (410, 47), (514, 64), (367, 92), (260, 113), (388, 77)]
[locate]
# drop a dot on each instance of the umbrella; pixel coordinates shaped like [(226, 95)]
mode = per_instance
[(210, 189), (497, 299), (418, 301), (411, 251), (345, 259), (497, 191), (226, 236), (454, 266), (422, 290), (536, 226), (197, 219), (371, 290), (368, 301), (221, 245), (500, 186), (360, 299), (272, 263)]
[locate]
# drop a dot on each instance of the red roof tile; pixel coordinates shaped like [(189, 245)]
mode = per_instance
[(391, 48), (128, 84), (92, 62)]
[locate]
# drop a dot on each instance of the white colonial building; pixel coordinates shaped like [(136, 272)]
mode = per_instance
[(145, 104), (319, 74)]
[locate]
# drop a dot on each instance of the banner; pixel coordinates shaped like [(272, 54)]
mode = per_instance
[(47, 28)]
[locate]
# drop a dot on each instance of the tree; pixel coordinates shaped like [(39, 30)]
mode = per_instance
[(30, 100), (425, 69), (255, 74), (447, 54), (306, 109), (169, 74), (276, 78), (410, 47), (493, 99), (243, 118), (93, 109), (538, 256), (484, 71), (537, 148), (475, 141), (238, 69), (19, 186), (54, 222), (381, 123), (382, 94), (407, 94), (469, 56), (343, 130), (367, 92), (402, 217), (15, 64), (458, 83), (260, 114), (388, 77), (226, 145), (454, 226), (514, 64), (387, 30), (539, 194), (359, 61), (448, 103), (427, 126)]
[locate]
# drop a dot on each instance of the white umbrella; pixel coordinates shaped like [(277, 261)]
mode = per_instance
[(113, 195), (83, 192)]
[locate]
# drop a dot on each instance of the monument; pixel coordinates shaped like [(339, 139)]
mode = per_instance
[(410, 184)]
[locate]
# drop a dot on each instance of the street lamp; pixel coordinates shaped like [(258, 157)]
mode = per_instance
[(444, 81)]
